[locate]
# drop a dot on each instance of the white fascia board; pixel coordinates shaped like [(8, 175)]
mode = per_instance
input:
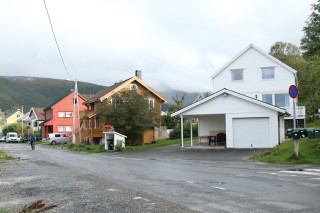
[(230, 92), (259, 50)]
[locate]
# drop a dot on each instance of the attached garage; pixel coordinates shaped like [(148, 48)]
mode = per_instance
[(246, 122), (251, 132)]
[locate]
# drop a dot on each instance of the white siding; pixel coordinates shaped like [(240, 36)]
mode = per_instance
[(211, 123), (252, 84)]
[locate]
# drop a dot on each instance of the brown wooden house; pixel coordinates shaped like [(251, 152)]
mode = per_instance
[(92, 127)]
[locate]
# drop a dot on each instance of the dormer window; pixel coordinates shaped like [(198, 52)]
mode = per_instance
[(237, 75), (133, 87), (267, 72)]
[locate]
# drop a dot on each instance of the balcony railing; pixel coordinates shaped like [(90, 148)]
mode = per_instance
[(300, 112)]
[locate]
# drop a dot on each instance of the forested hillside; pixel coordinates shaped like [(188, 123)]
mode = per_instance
[(38, 92)]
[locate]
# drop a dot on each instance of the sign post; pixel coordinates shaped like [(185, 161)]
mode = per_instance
[(293, 93)]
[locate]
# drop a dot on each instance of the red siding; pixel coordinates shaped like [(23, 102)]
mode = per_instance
[(64, 105)]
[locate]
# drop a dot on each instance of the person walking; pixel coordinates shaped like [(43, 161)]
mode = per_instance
[(32, 139)]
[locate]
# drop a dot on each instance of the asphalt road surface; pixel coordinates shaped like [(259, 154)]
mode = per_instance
[(168, 179)]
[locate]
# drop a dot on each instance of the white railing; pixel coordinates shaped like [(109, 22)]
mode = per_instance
[(300, 112)]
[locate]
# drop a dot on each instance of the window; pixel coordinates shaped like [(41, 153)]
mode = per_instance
[(282, 100), (74, 100), (97, 123), (69, 114), (35, 124), (65, 114), (267, 98), (151, 103), (61, 114), (68, 128), (237, 75), (133, 87), (64, 128), (267, 72)]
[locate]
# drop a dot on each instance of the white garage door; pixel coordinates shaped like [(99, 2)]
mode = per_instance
[(251, 133)]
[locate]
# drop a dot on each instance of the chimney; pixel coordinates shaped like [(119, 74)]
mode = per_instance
[(138, 74)]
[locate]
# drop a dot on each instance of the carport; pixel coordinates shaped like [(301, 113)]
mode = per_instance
[(245, 121)]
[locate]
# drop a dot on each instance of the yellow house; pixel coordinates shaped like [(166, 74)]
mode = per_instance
[(13, 117), (92, 127)]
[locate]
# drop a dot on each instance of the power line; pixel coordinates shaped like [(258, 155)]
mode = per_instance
[(54, 35)]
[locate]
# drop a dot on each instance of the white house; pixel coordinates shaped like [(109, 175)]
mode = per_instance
[(259, 75), (246, 121), (250, 103)]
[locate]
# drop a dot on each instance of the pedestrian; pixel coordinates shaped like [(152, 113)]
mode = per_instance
[(32, 139)]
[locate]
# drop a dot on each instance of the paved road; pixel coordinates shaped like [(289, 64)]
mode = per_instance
[(201, 180)]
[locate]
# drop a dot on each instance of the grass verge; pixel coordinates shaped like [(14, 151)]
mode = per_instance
[(5, 156), (309, 152), (158, 143), (100, 148)]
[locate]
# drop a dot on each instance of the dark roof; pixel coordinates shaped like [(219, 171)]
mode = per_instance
[(39, 113), (10, 114), (104, 92)]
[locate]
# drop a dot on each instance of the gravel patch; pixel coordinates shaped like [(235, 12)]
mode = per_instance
[(24, 181)]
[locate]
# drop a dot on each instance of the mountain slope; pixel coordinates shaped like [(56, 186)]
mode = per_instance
[(37, 92)]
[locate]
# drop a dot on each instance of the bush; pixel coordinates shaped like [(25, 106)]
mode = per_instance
[(176, 133), (119, 146)]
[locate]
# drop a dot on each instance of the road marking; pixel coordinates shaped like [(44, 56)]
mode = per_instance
[(189, 181), (309, 184), (140, 198), (124, 158), (314, 178), (273, 173), (301, 172), (223, 189)]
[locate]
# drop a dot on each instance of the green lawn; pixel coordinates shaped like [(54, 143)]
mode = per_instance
[(314, 124), (100, 148), (4, 156), (309, 152)]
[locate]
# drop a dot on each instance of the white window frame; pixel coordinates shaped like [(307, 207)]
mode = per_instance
[(69, 114), (61, 114), (133, 87), (287, 101), (266, 74), (234, 73), (151, 103), (61, 128)]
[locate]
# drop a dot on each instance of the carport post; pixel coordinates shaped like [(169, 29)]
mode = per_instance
[(181, 121), (191, 131)]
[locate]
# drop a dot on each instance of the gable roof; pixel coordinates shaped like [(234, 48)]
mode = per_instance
[(230, 92), (251, 46), (38, 112), (108, 91), (12, 113)]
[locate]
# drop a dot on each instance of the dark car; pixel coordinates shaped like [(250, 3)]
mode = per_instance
[(3, 139)]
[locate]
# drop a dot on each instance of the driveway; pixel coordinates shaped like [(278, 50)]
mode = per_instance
[(175, 152)]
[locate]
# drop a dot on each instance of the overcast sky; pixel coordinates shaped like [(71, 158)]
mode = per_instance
[(177, 44)]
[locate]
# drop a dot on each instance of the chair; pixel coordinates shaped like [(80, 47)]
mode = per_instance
[(221, 139)]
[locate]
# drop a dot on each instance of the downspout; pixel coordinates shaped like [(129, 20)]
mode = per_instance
[(279, 127)]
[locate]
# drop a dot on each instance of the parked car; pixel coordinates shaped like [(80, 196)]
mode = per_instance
[(3, 139), (56, 138), (12, 137)]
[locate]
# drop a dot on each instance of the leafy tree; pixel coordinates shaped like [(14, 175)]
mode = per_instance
[(310, 43), (15, 127), (130, 114), (309, 81), (169, 121)]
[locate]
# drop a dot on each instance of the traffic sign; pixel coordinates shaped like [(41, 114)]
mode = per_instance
[(293, 91)]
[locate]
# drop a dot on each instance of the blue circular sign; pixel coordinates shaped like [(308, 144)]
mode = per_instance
[(293, 91)]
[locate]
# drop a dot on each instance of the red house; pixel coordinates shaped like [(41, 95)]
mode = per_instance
[(59, 115)]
